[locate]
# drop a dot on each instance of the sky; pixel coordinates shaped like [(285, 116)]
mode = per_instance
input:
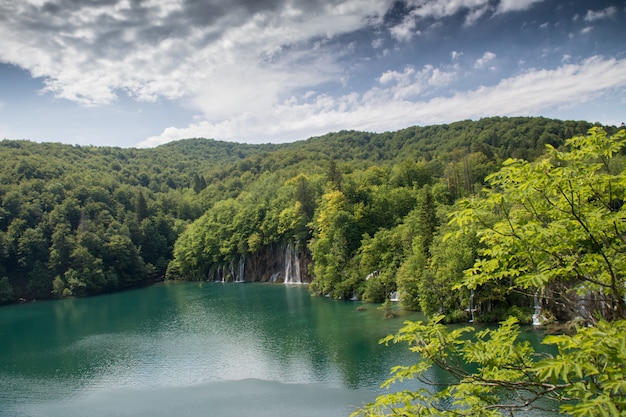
[(140, 73)]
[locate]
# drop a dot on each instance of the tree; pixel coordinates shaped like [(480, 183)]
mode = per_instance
[(333, 244), (305, 194), (555, 224), (428, 222), (334, 176), (199, 183), (141, 207), (585, 379), (409, 174), (6, 291), (379, 258), (60, 247), (436, 283)]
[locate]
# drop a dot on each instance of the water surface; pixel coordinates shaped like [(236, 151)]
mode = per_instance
[(189, 349)]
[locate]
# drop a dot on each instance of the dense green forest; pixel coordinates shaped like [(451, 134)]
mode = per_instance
[(367, 214)]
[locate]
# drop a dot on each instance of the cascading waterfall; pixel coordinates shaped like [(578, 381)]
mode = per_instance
[(292, 265), (297, 267), (471, 308), (537, 313), (233, 276), (372, 275), (287, 262), (242, 266), (229, 272), (281, 263), (587, 303), (217, 275)]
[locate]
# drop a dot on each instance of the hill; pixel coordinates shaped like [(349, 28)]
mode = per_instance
[(82, 220)]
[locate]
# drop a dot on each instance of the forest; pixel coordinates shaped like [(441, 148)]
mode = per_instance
[(370, 214)]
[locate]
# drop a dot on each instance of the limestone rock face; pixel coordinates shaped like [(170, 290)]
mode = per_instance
[(286, 263)]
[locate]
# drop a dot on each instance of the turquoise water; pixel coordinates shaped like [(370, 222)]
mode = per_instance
[(189, 349)]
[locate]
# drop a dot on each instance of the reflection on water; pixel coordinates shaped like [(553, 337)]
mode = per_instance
[(224, 399), (189, 347)]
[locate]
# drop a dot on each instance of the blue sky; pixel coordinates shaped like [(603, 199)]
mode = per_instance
[(145, 72)]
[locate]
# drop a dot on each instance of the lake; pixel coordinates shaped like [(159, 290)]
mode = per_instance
[(191, 349), (196, 349)]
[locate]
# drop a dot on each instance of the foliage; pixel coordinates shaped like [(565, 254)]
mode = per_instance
[(379, 258), (494, 373), (333, 243), (368, 209), (80, 220), (6, 291), (437, 283), (556, 225)]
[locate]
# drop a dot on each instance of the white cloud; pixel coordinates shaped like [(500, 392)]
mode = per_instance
[(405, 30), (475, 14), (506, 6), (484, 60), (443, 8), (411, 83), (378, 43), (474, 10), (439, 78), (380, 109), (586, 30), (395, 76), (90, 52), (215, 58), (593, 15), (262, 70), (437, 9)]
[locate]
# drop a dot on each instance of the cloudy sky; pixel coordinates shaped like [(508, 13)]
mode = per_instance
[(145, 72)]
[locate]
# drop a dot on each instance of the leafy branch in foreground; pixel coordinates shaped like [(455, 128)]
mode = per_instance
[(556, 227), (494, 373)]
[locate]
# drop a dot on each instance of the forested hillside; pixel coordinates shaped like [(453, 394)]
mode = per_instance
[(364, 213)]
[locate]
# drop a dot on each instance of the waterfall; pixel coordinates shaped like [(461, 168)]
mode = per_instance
[(287, 262), (537, 313), (278, 262), (471, 309), (214, 274), (231, 268), (372, 275), (242, 266), (228, 272), (297, 265), (292, 265), (585, 305)]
